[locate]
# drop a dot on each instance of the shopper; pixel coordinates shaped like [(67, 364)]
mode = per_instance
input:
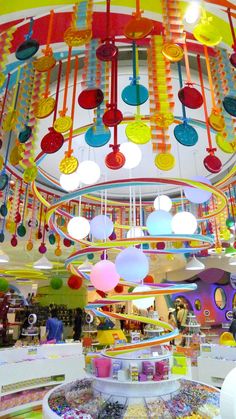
[(181, 317), (232, 328), (172, 321), (78, 324), (54, 327)]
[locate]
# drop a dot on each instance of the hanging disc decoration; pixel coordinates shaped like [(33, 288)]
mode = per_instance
[(80, 32), (3, 181), (68, 165), (29, 47), (115, 160), (108, 51), (25, 134), (64, 122), (212, 163), (165, 161), (134, 94), (206, 32), (113, 116), (173, 52), (225, 146), (138, 132), (138, 27), (90, 98), (184, 133), (44, 107), (229, 103), (52, 142), (173, 26)]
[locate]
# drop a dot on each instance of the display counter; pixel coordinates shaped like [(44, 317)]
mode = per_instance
[(110, 337), (26, 373)]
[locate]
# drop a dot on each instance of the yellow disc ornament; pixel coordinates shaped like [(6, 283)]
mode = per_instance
[(2, 79), (1, 162), (15, 156), (9, 122), (138, 132), (173, 52), (207, 34), (44, 107), (10, 226), (62, 124), (165, 161), (29, 246), (224, 145), (216, 121), (68, 165), (75, 37), (45, 63), (30, 174)]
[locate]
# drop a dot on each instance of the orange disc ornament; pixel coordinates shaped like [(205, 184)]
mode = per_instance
[(44, 107), (44, 63), (75, 37), (173, 52)]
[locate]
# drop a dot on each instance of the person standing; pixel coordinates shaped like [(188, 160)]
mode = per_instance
[(181, 317), (172, 321), (78, 323), (232, 328), (54, 327)]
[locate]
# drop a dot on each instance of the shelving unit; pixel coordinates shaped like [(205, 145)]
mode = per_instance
[(193, 330)]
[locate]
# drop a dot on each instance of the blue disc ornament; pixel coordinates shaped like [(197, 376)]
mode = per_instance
[(185, 134), (229, 103), (159, 222), (135, 94), (97, 135)]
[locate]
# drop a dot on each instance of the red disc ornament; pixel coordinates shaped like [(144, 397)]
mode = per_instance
[(107, 52), (115, 160), (52, 142), (190, 97), (119, 289), (212, 163), (112, 117), (90, 98), (74, 282), (148, 279)]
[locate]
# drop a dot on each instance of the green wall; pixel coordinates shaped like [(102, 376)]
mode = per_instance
[(65, 295)]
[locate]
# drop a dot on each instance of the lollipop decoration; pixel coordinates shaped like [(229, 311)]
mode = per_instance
[(138, 27), (80, 31), (108, 51), (211, 162), (135, 94), (69, 163), (233, 55), (184, 133), (29, 47), (53, 140), (188, 95), (47, 61), (46, 104), (206, 32), (173, 30)]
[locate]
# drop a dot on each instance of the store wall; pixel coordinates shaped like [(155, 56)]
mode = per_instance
[(65, 295)]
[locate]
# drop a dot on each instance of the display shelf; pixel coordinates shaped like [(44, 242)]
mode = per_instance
[(18, 409)]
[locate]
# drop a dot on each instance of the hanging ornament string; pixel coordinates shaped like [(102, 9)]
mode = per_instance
[(63, 123), (216, 120), (233, 55), (80, 30), (188, 95), (21, 230), (70, 151), (138, 27), (53, 140), (48, 61), (138, 132), (211, 162), (184, 133), (46, 104)]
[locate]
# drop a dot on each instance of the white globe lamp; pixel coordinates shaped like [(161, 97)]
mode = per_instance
[(132, 153), (78, 228), (89, 172), (184, 222)]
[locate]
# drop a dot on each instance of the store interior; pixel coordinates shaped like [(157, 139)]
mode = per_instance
[(118, 209)]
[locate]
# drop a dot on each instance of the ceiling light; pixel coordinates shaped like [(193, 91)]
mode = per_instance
[(43, 263), (70, 182), (4, 258), (132, 153), (192, 13), (194, 265), (86, 266), (162, 202), (232, 260)]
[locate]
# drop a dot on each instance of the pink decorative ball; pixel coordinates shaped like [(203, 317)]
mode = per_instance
[(104, 276)]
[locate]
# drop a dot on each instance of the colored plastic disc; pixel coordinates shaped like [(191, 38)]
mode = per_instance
[(30, 174), (25, 134), (68, 165), (138, 28), (212, 163), (190, 97), (232, 59), (135, 94), (185, 134), (21, 230), (9, 122), (162, 120), (229, 103), (112, 117), (216, 121), (225, 146), (97, 136), (27, 49), (3, 210), (90, 98), (115, 160), (106, 52), (75, 37), (45, 63), (1, 162), (173, 52), (52, 142), (207, 34), (3, 181), (15, 155), (138, 132), (44, 107), (62, 124), (165, 161), (2, 79)]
